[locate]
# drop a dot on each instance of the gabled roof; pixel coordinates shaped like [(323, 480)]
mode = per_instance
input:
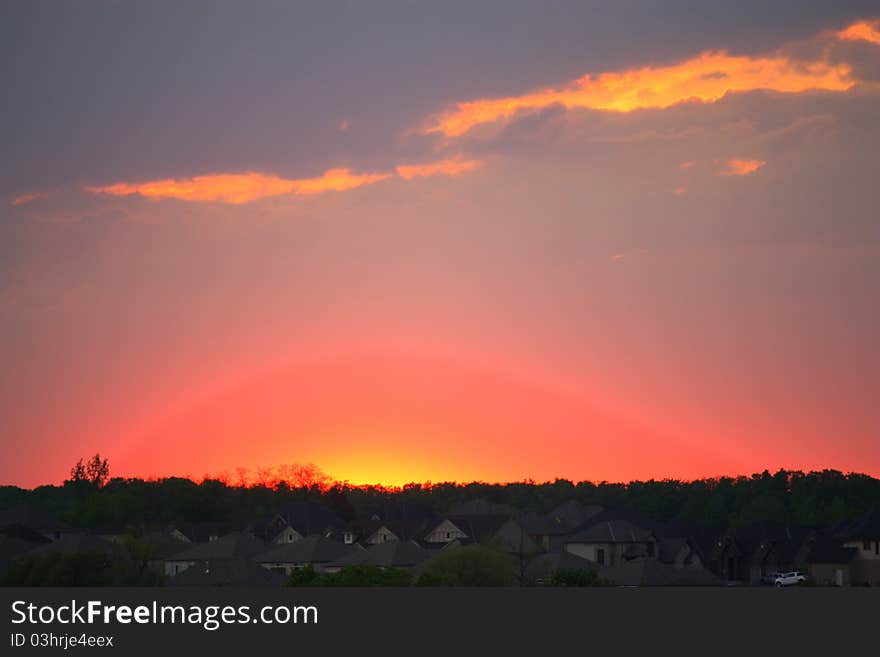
[(24, 533), (436, 548), (363, 530), (312, 549), (629, 515), (536, 524), (867, 528), (409, 529), (310, 517), (770, 531), (570, 515), (31, 517), (669, 549), (12, 547), (160, 545), (400, 554), (610, 531), (829, 550), (758, 540), (74, 543), (268, 528), (708, 541), (546, 565), (230, 546), (201, 532), (476, 527), (227, 572)]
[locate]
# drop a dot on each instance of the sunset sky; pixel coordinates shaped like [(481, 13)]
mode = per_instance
[(442, 241)]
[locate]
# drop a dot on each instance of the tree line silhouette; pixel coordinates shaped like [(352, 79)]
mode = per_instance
[(92, 499)]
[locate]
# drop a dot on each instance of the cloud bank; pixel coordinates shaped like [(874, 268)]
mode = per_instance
[(705, 78), (239, 188)]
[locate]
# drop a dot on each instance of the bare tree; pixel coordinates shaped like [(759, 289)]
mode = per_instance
[(242, 476), (78, 472), (97, 470)]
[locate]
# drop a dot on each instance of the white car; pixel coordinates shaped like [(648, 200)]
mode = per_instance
[(789, 579)]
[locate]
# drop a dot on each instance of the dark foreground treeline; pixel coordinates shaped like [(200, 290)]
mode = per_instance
[(807, 499)]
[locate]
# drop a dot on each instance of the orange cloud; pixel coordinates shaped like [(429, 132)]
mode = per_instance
[(862, 31), (705, 78), (452, 167), (336, 180), (237, 188), (738, 167), (27, 198)]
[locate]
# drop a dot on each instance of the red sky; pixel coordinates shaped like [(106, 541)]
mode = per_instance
[(619, 253)]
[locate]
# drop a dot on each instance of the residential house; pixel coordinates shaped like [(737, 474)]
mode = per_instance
[(380, 530), (505, 532), (76, 544), (115, 532), (202, 532), (36, 520), (680, 552), (24, 534), (543, 568), (864, 537), (16, 541), (829, 563), (610, 542), (391, 554), (276, 530), (751, 553), (565, 519), (369, 532), (515, 536), (234, 545), (155, 547), (446, 531), (309, 518), (316, 551), (549, 530), (238, 572)]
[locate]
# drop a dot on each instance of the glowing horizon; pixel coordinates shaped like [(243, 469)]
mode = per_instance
[(233, 478)]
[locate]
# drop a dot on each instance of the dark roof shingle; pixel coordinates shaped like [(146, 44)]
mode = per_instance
[(230, 546), (312, 549), (227, 572), (399, 554)]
